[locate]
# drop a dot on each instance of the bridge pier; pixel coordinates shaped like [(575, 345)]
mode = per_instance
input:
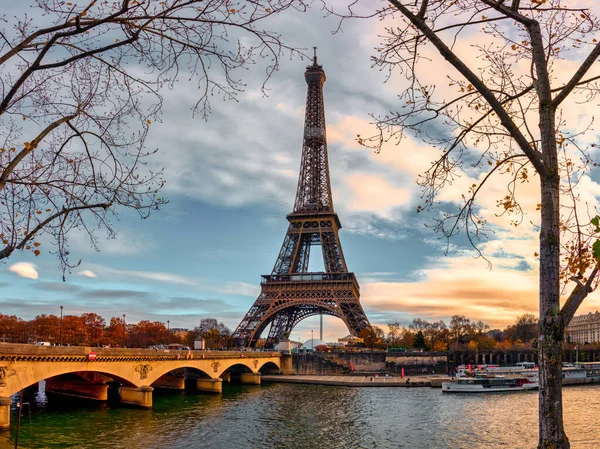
[(5, 413), (170, 382), (250, 378), (286, 364), (210, 385), (226, 376), (140, 397)]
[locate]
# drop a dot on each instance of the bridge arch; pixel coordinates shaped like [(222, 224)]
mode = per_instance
[(268, 366), (27, 378), (156, 372)]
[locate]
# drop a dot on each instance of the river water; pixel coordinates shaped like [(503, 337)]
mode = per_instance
[(291, 416)]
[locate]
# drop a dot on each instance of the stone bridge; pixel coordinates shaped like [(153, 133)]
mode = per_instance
[(85, 372)]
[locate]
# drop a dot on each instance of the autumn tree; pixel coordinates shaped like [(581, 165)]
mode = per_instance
[(419, 342), (393, 334), (459, 327), (373, 337), (117, 331), (81, 87), (524, 329), (216, 334), (509, 107), (45, 327), (147, 333), (74, 330), (12, 329), (94, 324)]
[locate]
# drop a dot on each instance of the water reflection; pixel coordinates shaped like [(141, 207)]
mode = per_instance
[(308, 416)]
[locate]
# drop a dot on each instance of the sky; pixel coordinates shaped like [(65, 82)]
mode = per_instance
[(231, 180)]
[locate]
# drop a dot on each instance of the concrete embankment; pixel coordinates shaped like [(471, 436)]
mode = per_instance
[(351, 381)]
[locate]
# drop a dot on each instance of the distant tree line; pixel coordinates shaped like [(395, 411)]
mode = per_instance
[(460, 333), (91, 329)]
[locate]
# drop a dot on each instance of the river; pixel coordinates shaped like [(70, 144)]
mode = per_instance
[(291, 416)]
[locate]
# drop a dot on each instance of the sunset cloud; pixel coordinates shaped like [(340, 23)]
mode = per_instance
[(24, 269)]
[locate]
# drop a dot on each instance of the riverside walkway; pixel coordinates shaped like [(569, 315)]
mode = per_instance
[(352, 381)]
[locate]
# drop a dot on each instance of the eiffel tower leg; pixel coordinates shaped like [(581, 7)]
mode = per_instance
[(278, 329)]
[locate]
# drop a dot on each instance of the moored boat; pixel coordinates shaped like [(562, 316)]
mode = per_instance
[(489, 384)]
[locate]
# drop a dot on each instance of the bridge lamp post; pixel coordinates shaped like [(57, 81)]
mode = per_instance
[(61, 314), (168, 332), (312, 341), (123, 330)]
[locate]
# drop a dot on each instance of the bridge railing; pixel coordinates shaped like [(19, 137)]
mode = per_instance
[(16, 349)]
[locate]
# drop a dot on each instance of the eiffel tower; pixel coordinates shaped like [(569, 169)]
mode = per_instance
[(291, 293)]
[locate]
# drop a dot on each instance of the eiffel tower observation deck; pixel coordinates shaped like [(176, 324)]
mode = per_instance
[(291, 293)]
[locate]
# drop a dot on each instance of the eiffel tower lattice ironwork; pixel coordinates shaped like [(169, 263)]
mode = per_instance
[(291, 293)]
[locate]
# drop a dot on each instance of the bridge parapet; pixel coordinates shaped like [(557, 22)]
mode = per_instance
[(9, 351)]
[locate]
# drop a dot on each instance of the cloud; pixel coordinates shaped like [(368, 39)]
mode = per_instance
[(127, 242), (237, 288), (191, 305), (24, 269), (459, 286), (87, 273), (375, 194), (57, 286), (130, 275), (115, 294)]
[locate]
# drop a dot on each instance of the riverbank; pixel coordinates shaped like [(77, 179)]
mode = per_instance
[(352, 381), (382, 381)]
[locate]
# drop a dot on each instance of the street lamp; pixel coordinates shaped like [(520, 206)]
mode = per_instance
[(123, 330), (61, 310), (168, 332), (312, 341)]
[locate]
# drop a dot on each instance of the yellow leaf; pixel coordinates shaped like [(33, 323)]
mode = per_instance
[(36, 244), (38, 212), (27, 145), (232, 10), (148, 121), (535, 254), (28, 247), (48, 210), (36, 252)]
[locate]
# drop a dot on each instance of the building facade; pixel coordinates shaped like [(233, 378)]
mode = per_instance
[(585, 328)]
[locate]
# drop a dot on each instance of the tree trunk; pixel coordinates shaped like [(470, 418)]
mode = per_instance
[(551, 326)]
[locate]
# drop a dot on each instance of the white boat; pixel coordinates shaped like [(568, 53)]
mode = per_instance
[(489, 384)]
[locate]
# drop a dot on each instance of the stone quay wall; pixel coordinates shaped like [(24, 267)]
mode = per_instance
[(323, 363), (368, 362)]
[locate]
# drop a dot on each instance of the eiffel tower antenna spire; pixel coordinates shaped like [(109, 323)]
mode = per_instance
[(291, 293)]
